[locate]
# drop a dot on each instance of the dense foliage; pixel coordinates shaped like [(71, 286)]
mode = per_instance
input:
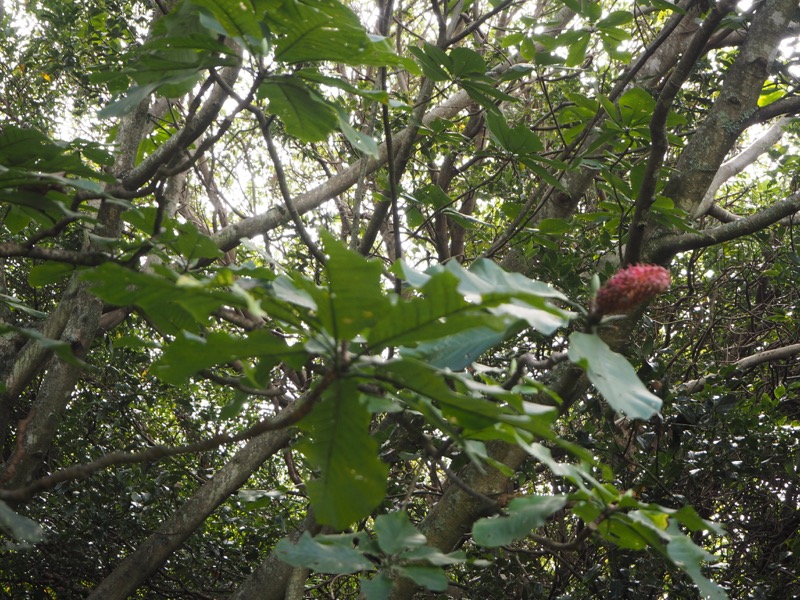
[(317, 298)]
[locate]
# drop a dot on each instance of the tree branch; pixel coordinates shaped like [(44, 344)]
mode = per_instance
[(743, 364), (658, 132), (84, 259), (738, 163), (666, 247), (285, 419)]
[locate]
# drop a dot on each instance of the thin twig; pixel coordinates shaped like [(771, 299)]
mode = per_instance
[(286, 418)]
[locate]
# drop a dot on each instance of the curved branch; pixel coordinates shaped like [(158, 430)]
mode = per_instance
[(284, 420), (228, 237), (175, 145), (783, 106), (666, 247), (151, 554), (743, 364), (741, 161)]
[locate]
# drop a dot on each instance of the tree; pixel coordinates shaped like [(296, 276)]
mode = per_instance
[(318, 299)]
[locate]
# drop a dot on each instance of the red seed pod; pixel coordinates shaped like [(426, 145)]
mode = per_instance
[(628, 288)]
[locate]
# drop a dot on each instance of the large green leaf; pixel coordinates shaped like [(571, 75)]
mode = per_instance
[(191, 353), (690, 557), (173, 306), (472, 409), (519, 140), (324, 553), (432, 578), (238, 17), (395, 532), (305, 114), (524, 515), (323, 30), (352, 479), (459, 350), (442, 310), (613, 376), (353, 299), (461, 313), (377, 588)]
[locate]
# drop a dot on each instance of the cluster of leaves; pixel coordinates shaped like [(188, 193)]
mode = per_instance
[(367, 354)]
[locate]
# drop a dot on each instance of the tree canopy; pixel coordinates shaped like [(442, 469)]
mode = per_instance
[(336, 299)]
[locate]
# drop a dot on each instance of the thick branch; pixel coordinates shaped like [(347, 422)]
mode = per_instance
[(151, 555), (72, 257), (229, 237), (172, 148), (734, 108), (658, 132), (738, 163), (666, 247), (748, 362)]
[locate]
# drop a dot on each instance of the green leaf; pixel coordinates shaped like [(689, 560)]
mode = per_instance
[(474, 409), (312, 74), (615, 18), (432, 60), (577, 50), (517, 140), (305, 114), (49, 272), (689, 557), (432, 578), (190, 353), (396, 532), (190, 242), (459, 350), (465, 62), (172, 305), (16, 304), (524, 515), (238, 17), (60, 348), (377, 588), (613, 376), (366, 144), (441, 311), (554, 226), (355, 299), (324, 30), (324, 553), (352, 479)]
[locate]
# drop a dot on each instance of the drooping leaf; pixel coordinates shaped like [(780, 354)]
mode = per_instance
[(324, 553), (432, 578), (305, 114), (613, 376), (352, 479), (524, 515), (355, 299), (690, 557), (238, 17), (377, 588), (395, 532), (441, 311), (190, 353), (172, 306), (459, 350), (517, 140), (323, 30)]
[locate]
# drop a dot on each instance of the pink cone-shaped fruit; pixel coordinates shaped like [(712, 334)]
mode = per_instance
[(630, 287)]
